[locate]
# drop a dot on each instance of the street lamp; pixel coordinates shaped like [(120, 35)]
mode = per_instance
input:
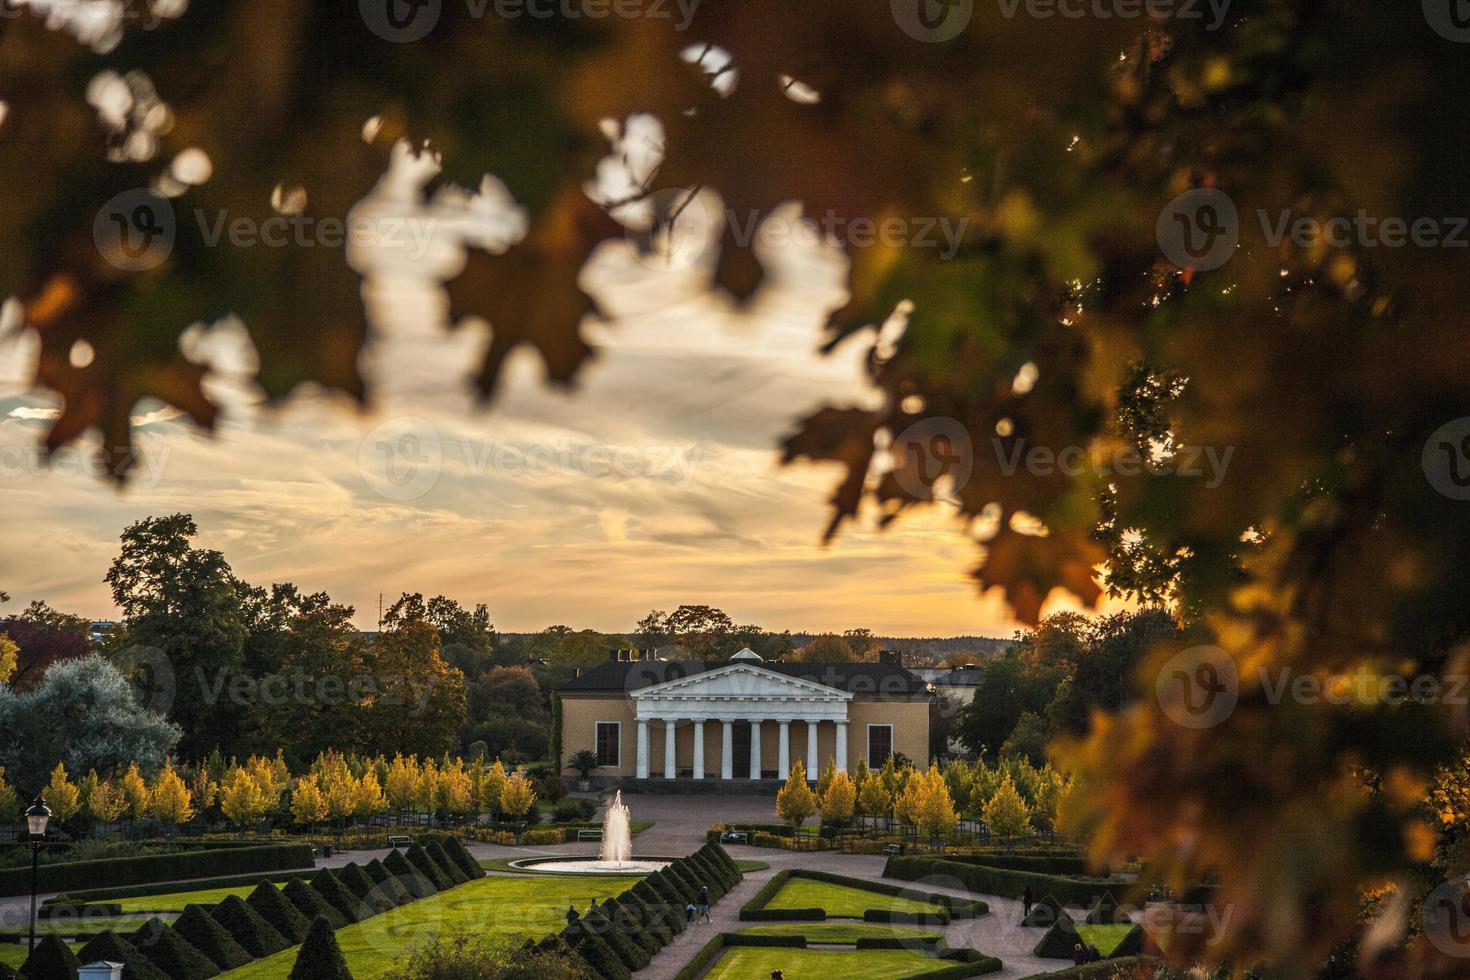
[(36, 819)]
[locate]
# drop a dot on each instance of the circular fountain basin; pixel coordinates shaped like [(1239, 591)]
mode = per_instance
[(592, 865)]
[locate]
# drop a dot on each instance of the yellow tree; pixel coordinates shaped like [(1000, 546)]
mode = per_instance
[(933, 809), (839, 800), (135, 793), (339, 790), (169, 800), (906, 803), (203, 790), (428, 787), (1005, 813), (454, 791), (492, 786), (402, 783), (795, 801), (9, 658), (307, 803), (9, 811), (61, 795), (107, 803), (826, 777), (368, 800), (517, 796), (271, 775), (874, 797), (241, 798)]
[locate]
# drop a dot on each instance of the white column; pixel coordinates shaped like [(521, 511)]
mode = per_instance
[(727, 751), (813, 764), (842, 746), (642, 771), (755, 749), (783, 757), (669, 770), (699, 748)]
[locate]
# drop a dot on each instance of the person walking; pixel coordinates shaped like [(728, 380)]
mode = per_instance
[(1026, 899), (1079, 955), (704, 904), (572, 915), (689, 914)]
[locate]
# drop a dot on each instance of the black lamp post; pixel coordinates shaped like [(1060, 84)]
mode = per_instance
[(36, 819)]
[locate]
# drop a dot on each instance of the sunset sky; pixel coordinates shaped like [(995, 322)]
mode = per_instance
[(656, 482)]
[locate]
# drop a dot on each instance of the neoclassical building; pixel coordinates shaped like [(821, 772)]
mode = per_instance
[(744, 718)]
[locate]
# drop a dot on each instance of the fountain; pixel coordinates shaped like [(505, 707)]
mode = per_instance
[(614, 857)]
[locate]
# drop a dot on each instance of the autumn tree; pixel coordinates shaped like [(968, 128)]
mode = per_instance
[(838, 800), (795, 801), (517, 796), (9, 809), (308, 806), (933, 809), (134, 792), (61, 795), (874, 798), (1005, 813), (242, 800), (107, 802), (827, 649), (9, 658), (169, 799)]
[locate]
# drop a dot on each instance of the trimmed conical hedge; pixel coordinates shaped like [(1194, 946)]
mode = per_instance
[(279, 912), (1105, 912), (429, 868), (320, 957), (599, 955), (310, 903), (627, 915), (653, 917), (8, 973), (248, 928), (171, 953), (1059, 942), (419, 885), (339, 896), (683, 880), (1045, 913), (1131, 944), (202, 932), (457, 850), (633, 955), (446, 863), (717, 859), (51, 960), (557, 946), (365, 890), (709, 877), (723, 857), (670, 898), (109, 947)]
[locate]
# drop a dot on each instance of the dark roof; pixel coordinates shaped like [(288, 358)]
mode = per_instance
[(960, 677), (629, 676)]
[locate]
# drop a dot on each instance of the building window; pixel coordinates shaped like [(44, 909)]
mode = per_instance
[(880, 744), (609, 742)]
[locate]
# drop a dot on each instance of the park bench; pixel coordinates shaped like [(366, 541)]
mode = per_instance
[(734, 837), (589, 835), (400, 840), (892, 848)]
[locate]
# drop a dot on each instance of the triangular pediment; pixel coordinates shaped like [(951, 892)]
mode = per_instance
[(741, 682)]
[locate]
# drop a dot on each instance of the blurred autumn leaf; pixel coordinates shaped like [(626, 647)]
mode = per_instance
[(1062, 320)]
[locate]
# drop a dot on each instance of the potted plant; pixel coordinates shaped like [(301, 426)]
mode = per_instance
[(584, 761)]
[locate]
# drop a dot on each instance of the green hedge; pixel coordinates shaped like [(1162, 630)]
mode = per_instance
[(996, 881), (958, 908), (157, 867), (1045, 864), (1102, 968), (711, 950), (969, 963), (1059, 942), (907, 918), (91, 896), (1045, 913), (899, 942)]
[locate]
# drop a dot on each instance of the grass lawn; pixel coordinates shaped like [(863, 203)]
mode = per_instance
[(841, 901), (175, 901), (839, 933), (70, 926), (14, 955), (520, 907), (1105, 938), (750, 963)]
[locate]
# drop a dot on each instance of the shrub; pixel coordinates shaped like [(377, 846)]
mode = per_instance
[(656, 931), (459, 957), (370, 897), (326, 884), (429, 868), (722, 856), (151, 868), (52, 960), (446, 863), (707, 877), (627, 916), (168, 951), (202, 932), (1106, 912), (573, 810), (1130, 945), (320, 957), (995, 881), (310, 903), (112, 948), (416, 882), (685, 883), (1045, 913), (1066, 865), (1059, 942), (7, 973), (553, 788), (660, 905), (278, 912), (538, 838), (386, 885), (248, 928), (633, 956), (910, 918), (672, 897), (604, 962), (462, 857)]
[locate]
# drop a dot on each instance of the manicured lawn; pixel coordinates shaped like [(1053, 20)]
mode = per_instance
[(749, 963), (1105, 938), (14, 955), (841, 901), (839, 932), (746, 867), (175, 901), (519, 907)]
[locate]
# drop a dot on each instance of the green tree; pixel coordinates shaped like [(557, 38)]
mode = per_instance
[(182, 604), (421, 703), (827, 649), (1005, 813)]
